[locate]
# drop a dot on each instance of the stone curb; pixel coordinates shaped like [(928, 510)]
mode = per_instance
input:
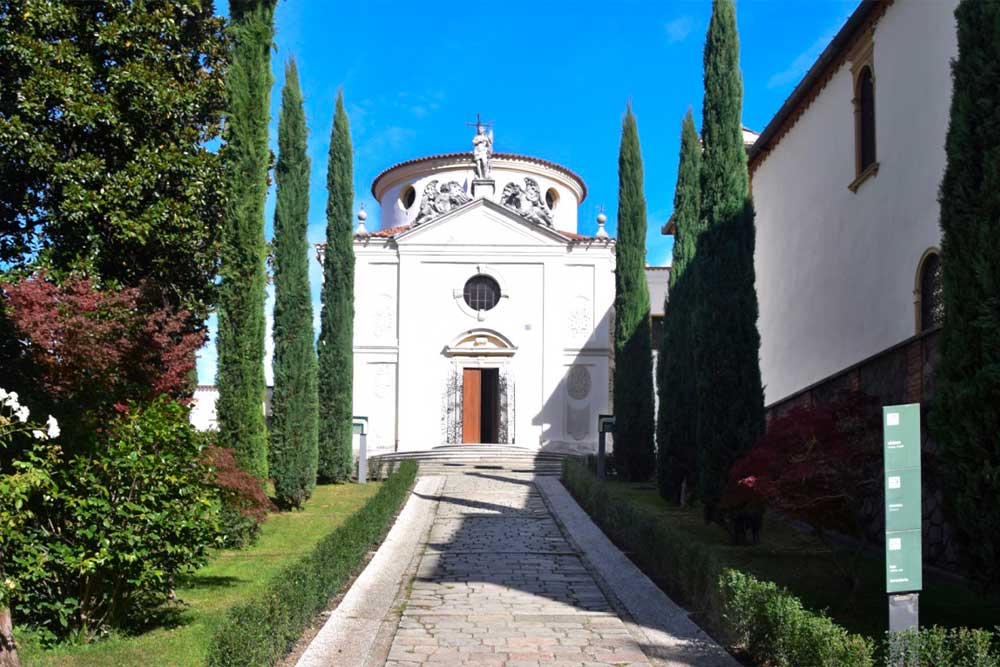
[(668, 637), (349, 634)]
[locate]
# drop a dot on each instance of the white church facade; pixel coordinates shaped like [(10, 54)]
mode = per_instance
[(481, 315)]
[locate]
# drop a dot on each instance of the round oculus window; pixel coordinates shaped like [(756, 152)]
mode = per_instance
[(407, 197), (552, 198), (481, 292)]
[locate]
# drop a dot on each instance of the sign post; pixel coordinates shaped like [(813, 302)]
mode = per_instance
[(903, 515), (360, 428), (605, 425)]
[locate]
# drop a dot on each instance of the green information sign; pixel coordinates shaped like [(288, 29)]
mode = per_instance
[(902, 499), (903, 561), (903, 516), (901, 434)]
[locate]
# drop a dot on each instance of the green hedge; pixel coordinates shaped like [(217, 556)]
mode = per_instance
[(945, 647), (767, 622), (760, 617), (262, 631)]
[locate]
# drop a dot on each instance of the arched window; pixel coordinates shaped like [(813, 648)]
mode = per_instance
[(866, 119), (930, 292)]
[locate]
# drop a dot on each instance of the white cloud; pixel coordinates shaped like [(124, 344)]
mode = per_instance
[(801, 64), (679, 29)]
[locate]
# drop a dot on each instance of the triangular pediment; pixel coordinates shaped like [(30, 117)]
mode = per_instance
[(481, 222)]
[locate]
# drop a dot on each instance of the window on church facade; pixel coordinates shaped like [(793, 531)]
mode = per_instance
[(407, 197), (552, 198), (481, 292), (931, 297), (863, 73), (866, 118)]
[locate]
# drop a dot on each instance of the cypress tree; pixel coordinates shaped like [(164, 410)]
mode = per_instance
[(294, 411), (676, 423), (241, 291), (336, 340), (966, 413), (633, 383), (730, 398)]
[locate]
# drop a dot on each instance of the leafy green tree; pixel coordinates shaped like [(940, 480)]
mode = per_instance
[(246, 159), (105, 112), (336, 338), (633, 385), (730, 405), (104, 536), (966, 411), (293, 453), (676, 423)]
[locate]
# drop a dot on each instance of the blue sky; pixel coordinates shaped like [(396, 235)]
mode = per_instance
[(554, 76)]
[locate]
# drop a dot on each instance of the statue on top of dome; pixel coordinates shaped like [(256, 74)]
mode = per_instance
[(482, 148)]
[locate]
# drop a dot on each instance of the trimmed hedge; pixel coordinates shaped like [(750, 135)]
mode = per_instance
[(760, 617), (262, 631), (944, 647)]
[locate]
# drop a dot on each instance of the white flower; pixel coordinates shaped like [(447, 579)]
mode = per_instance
[(9, 583), (53, 427), (3, 394), (38, 435), (22, 413), (10, 399)]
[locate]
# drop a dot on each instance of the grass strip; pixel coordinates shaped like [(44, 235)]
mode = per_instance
[(261, 631)]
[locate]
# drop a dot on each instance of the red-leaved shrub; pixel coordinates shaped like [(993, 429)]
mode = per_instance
[(83, 349), (244, 503), (816, 464)]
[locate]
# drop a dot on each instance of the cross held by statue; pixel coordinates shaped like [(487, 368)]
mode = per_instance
[(479, 124)]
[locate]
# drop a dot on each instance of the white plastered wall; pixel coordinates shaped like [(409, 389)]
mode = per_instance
[(835, 268)]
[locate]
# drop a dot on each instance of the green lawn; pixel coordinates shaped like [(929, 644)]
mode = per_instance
[(231, 577), (806, 567)]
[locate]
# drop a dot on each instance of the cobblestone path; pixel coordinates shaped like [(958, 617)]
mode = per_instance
[(498, 585)]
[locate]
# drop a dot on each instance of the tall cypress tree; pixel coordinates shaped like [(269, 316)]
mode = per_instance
[(633, 386), (730, 405), (676, 422), (241, 292), (293, 452), (336, 339), (966, 412)]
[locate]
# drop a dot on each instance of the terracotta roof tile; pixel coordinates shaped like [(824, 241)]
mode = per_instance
[(573, 236), (387, 233)]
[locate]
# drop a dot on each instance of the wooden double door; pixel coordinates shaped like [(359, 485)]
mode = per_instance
[(480, 405)]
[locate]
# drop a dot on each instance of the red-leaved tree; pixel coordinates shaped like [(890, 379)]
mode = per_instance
[(816, 464), (80, 350)]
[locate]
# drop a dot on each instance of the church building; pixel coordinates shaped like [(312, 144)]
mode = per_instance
[(481, 315), (845, 180)]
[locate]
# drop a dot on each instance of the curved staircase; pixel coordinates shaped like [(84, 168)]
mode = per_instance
[(465, 459)]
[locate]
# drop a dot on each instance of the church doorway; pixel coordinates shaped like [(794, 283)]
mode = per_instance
[(480, 405)]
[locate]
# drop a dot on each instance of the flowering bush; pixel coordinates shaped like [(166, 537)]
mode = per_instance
[(105, 535), (17, 483)]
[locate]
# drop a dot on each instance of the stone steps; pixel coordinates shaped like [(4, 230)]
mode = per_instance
[(471, 459)]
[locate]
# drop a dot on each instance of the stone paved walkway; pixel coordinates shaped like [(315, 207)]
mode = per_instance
[(498, 585)]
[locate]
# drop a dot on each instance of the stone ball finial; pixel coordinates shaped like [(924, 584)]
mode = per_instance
[(601, 219), (362, 216)]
